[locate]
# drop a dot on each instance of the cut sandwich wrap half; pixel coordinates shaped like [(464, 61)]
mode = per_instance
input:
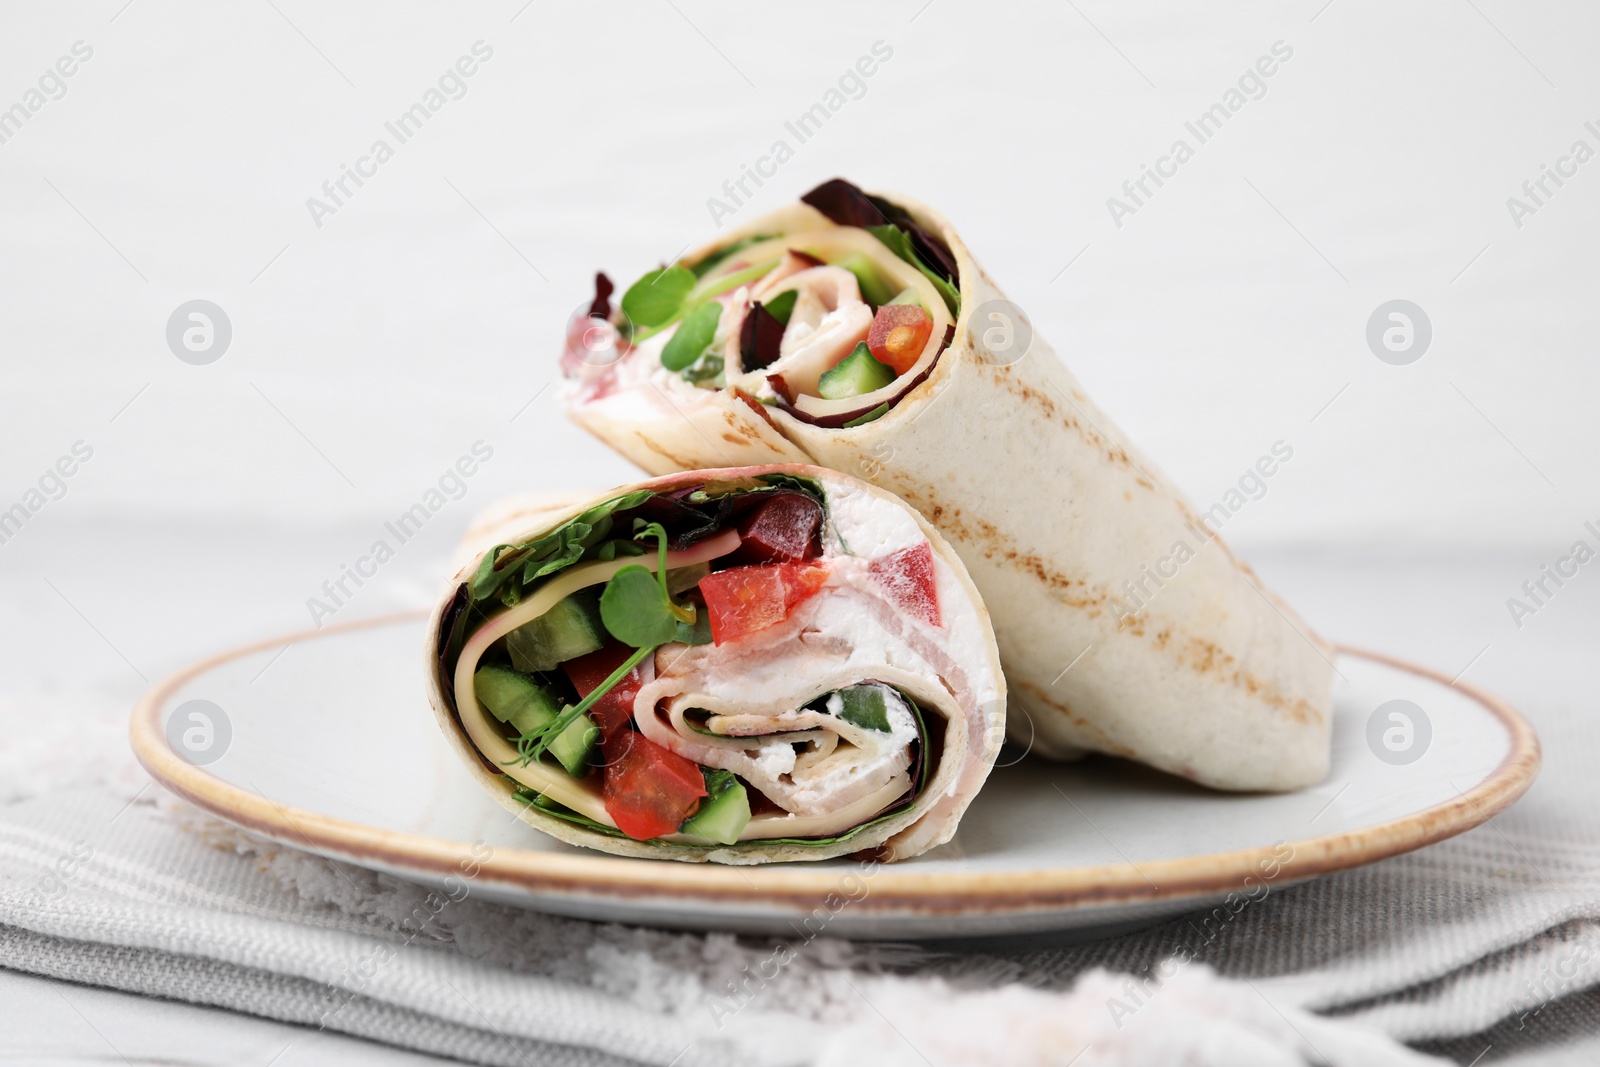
[(856, 332), (740, 666)]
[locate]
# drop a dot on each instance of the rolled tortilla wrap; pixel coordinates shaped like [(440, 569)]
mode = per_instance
[(835, 686), (1125, 624)]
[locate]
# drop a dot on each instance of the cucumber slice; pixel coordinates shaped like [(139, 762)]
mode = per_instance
[(854, 375), (514, 698), (872, 416), (525, 705), (568, 630), (573, 745), (724, 813), (875, 289), (863, 706), (781, 306)]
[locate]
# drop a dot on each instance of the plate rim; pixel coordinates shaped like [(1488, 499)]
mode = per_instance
[(893, 891)]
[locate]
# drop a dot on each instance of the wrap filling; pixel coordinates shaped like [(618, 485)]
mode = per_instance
[(704, 666), (832, 322)]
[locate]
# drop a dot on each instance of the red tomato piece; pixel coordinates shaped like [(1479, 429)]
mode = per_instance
[(907, 576), (649, 790), (783, 528), (742, 600), (899, 334), (613, 711), (800, 581)]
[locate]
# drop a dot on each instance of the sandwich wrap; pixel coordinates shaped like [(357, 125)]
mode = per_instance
[(857, 332), (738, 666)]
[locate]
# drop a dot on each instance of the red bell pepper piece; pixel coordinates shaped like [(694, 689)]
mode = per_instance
[(907, 576), (613, 711), (742, 600)]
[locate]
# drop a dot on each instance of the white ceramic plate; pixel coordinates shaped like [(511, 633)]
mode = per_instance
[(325, 742)]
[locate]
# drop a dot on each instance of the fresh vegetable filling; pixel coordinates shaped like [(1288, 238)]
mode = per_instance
[(633, 670), (832, 322)]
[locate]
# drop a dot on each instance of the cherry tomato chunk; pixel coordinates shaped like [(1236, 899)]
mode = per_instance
[(898, 335), (743, 600), (907, 577), (614, 711), (650, 790)]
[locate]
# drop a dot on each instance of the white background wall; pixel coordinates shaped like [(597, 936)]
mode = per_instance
[(1229, 311)]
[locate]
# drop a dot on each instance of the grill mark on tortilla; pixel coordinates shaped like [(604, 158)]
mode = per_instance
[(1030, 395), (676, 460), (1207, 658), (1245, 571), (765, 433), (1102, 740), (742, 432), (1202, 657), (743, 429), (995, 546)]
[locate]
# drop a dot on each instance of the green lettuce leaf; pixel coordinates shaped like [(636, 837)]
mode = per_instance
[(899, 242), (693, 336), (657, 298), (549, 553)]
